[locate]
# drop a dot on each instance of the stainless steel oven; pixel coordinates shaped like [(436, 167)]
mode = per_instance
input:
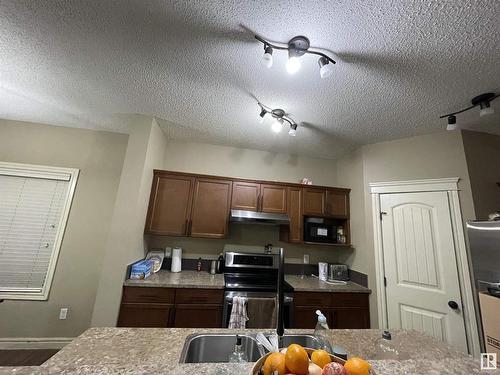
[(228, 304), (253, 275)]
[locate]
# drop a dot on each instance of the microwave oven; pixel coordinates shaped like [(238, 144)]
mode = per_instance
[(317, 230)]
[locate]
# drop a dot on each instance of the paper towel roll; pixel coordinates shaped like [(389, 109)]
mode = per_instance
[(176, 260)]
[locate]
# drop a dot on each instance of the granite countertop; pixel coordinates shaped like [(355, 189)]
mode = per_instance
[(313, 284), (104, 351), (183, 279), (194, 279)]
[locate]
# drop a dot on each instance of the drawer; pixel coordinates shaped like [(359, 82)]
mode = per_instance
[(138, 294), (349, 300), (312, 299), (199, 296)]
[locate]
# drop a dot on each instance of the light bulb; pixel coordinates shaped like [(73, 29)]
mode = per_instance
[(486, 110), (452, 123), (277, 126), (267, 58), (325, 68), (293, 65)]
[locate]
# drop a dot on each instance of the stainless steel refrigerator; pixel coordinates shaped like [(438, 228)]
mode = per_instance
[(484, 248)]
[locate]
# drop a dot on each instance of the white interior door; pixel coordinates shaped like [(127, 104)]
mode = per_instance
[(420, 266)]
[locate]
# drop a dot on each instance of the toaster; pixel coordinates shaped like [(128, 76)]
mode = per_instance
[(338, 272)]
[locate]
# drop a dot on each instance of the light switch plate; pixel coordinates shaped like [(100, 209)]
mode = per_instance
[(63, 313), (306, 258)]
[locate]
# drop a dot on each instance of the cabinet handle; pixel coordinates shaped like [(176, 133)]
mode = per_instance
[(189, 227)]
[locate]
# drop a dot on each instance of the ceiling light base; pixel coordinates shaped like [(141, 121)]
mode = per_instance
[(278, 113), (299, 45), (482, 98)]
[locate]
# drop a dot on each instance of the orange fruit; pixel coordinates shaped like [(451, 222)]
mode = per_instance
[(320, 357), (274, 362), (297, 360), (357, 366)]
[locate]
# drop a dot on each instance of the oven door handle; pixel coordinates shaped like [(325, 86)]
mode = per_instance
[(288, 299)]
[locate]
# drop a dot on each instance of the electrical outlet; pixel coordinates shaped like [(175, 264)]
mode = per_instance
[(306, 258), (63, 313)]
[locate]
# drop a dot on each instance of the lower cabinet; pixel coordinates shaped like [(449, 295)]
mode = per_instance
[(342, 310), (202, 308), (198, 316), (170, 307), (149, 315)]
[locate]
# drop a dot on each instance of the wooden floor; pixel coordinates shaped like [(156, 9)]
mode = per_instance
[(25, 357)]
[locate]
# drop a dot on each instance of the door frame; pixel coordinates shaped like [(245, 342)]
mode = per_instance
[(450, 186)]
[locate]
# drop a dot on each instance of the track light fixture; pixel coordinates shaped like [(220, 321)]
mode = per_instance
[(297, 47), (452, 123), (280, 117), (483, 101), (267, 59)]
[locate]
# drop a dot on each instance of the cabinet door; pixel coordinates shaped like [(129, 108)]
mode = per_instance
[(169, 205), (305, 317), (353, 318), (337, 203), (273, 198), (210, 213), (295, 213), (198, 316), (245, 196), (148, 315), (314, 201)]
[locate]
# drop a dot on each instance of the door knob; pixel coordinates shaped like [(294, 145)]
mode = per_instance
[(453, 305)]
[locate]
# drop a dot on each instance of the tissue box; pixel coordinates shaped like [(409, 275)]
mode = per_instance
[(142, 269)]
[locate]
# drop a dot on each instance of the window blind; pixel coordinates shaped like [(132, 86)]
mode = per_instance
[(31, 214)]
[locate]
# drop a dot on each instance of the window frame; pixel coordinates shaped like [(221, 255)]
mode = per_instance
[(53, 173)]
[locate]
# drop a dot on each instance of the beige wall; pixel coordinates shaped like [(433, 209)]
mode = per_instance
[(430, 156), (482, 152), (99, 157), (239, 162), (125, 242)]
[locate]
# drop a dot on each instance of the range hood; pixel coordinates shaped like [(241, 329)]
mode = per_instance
[(252, 217)]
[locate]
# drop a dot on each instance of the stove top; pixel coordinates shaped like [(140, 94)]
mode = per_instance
[(252, 272), (254, 282)]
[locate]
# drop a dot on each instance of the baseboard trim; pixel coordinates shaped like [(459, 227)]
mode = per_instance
[(7, 343)]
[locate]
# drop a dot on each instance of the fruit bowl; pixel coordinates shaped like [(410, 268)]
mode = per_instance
[(256, 370)]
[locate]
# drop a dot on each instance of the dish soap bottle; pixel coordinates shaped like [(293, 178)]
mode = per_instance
[(238, 355), (386, 348), (321, 330)]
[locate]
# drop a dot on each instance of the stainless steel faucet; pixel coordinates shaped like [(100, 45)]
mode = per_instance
[(280, 327)]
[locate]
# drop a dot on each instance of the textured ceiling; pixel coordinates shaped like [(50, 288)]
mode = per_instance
[(196, 67)]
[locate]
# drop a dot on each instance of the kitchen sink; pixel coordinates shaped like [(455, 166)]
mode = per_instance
[(210, 348), (216, 347)]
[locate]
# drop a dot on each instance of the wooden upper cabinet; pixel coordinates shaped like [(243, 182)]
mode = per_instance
[(295, 214), (170, 204), (245, 196), (314, 201), (210, 213), (337, 203), (273, 198)]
